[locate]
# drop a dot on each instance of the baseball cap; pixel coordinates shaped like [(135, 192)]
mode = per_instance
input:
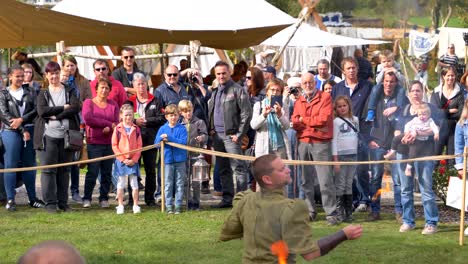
[(270, 69)]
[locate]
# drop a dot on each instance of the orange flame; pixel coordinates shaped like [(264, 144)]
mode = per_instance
[(380, 191), (280, 249)]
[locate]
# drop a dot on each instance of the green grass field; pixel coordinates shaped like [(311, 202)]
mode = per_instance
[(154, 237), (427, 22)]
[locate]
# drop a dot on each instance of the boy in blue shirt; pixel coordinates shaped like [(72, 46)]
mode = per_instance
[(175, 159)]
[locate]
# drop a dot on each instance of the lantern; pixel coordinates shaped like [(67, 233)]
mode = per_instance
[(200, 170)]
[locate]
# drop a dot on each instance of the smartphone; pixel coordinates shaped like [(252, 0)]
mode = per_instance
[(277, 98)]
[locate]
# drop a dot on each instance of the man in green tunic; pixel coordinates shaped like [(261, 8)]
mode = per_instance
[(266, 217)]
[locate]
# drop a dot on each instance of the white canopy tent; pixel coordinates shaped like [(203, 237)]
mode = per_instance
[(309, 36), (215, 23), (308, 45)]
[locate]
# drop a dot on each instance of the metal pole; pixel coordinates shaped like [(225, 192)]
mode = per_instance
[(462, 211), (163, 200)]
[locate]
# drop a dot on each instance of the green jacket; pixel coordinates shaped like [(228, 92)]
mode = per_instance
[(266, 217)]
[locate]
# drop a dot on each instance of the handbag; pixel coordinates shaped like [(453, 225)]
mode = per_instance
[(454, 193), (73, 140)]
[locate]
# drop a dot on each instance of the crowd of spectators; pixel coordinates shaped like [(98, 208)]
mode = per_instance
[(311, 117)]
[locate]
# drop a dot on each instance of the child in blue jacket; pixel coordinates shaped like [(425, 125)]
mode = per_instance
[(175, 159)]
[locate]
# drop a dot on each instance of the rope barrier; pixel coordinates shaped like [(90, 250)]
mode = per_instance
[(304, 162), (232, 156), (75, 162)]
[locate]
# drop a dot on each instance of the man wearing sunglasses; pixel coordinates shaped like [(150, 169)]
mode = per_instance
[(101, 70), (124, 73)]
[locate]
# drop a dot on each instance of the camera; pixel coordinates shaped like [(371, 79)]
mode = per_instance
[(194, 79), (293, 90)]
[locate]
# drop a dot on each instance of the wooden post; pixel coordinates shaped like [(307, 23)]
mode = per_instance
[(60, 46), (462, 211), (163, 200), (194, 48), (302, 17)]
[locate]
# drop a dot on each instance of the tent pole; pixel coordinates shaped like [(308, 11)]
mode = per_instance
[(161, 51), (302, 17), (60, 47)]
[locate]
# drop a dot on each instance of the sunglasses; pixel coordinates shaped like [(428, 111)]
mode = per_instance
[(248, 77), (131, 57), (101, 69), (172, 74)]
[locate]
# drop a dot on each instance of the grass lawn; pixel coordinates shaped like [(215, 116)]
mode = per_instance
[(427, 22), (154, 237)]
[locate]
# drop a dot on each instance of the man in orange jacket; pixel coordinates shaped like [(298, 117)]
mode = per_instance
[(313, 120)]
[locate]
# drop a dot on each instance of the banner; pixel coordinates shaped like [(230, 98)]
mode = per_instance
[(421, 43)]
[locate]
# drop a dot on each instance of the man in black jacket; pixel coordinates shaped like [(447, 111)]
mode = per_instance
[(229, 112)]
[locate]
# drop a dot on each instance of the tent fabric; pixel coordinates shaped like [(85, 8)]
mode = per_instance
[(309, 36), (450, 35), (26, 25), (215, 23)]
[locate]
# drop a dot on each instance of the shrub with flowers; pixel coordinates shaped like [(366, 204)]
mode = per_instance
[(440, 179)]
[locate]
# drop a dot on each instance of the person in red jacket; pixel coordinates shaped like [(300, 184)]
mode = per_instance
[(313, 120)]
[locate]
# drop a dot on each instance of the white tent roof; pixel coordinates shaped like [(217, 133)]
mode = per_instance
[(309, 36), (216, 23)]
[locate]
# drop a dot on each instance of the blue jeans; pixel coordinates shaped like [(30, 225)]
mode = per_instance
[(423, 169), (174, 177), (216, 179), (17, 155), (104, 167), (376, 177), (230, 168), (398, 169), (75, 176), (361, 179), (294, 189)]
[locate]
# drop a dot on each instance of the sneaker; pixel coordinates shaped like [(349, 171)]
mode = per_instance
[(11, 206), (312, 217), (429, 230), (157, 198), (390, 155), (169, 210), (405, 228), (120, 209), (370, 116), (136, 209), (373, 217), (77, 198), (361, 208), (332, 220), (37, 203), (86, 203), (178, 210), (104, 204)]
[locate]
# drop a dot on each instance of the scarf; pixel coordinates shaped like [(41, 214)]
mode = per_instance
[(274, 128)]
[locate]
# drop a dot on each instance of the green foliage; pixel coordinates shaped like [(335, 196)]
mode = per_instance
[(440, 178), (292, 7)]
